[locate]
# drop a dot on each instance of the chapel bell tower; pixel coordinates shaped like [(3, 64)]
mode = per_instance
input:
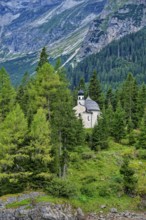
[(81, 100)]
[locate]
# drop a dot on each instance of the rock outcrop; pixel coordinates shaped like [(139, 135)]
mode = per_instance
[(48, 211), (114, 24), (63, 212)]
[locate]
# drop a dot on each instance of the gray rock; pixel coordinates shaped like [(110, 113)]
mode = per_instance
[(103, 206), (113, 210)]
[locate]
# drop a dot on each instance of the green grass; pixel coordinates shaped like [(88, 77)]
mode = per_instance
[(98, 181)]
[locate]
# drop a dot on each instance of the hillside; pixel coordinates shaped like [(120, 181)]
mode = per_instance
[(96, 181), (45, 147)]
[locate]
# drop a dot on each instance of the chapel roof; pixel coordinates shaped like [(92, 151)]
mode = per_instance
[(91, 105)]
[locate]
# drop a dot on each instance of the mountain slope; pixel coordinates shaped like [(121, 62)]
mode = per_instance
[(116, 21), (115, 61), (27, 27)]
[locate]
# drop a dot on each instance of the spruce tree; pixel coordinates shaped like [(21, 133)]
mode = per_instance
[(43, 58), (118, 123), (95, 89), (67, 131), (141, 142), (129, 180), (109, 114), (99, 138), (21, 95), (129, 98), (141, 102)]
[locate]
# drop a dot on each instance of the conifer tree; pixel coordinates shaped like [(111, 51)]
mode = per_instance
[(43, 58), (141, 102), (109, 99), (42, 91), (67, 131), (39, 148), (129, 180), (109, 114), (141, 143), (13, 133), (99, 139), (118, 123), (129, 97), (21, 95), (7, 94), (95, 89)]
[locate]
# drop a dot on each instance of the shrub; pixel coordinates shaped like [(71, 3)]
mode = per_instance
[(104, 191), (89, 179), (88, 190), (61, 188), (142, 154), (88, 155)]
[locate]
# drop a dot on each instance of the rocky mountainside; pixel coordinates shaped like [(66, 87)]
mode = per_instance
[(118, 19), (27, 26), (72, 29)]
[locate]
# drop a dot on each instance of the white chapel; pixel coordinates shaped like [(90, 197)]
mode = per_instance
[(87, 109)]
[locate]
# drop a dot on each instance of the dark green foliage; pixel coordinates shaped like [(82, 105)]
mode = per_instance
[(109, 114), (43, 58), (61, 188), (141, 103), (141, 143), (7, 94), (95, 89), (142, 154), (88, 190), (129, 180), (129, 99), (99, 139), (118, 129), (104, 191), (114, 62)]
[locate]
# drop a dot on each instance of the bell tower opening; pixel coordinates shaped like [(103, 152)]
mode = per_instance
[(81, 99)]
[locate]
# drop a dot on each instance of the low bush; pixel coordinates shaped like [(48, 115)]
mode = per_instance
[(104, 191), (88, 190), (142, 154), (61, 188)]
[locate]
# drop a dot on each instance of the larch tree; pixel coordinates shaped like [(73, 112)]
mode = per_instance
[(13, 132), (39, 149)]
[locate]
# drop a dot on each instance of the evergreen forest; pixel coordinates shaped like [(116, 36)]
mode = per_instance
[(44, 147), (114, 62)]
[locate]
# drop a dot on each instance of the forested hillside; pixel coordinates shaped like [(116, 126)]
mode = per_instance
[(43, 146), (114, 62)]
